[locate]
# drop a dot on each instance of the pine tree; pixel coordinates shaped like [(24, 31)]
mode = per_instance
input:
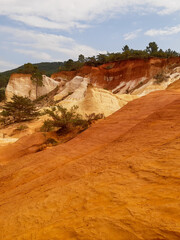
[(17, 110)]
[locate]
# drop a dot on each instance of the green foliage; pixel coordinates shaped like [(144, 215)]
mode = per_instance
[(125, 48), (22, 127), (152, 48), (29, 68), (81, 58), (46, 67), (19, 109), (109, 66), (51, 141), (71, 65), (64, 121), (47, 126), (94, 117), (160, 77), (2, 94), (4, 78), (150, 51)]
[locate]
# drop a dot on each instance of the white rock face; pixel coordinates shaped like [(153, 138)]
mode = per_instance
[(97, 100), (128, 86), (90, 99), (21, 85), (75, 88), (150, 86), (48, 85)]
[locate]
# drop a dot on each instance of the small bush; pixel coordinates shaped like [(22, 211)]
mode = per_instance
[(94, 117), (160, 77), (63, 121), (21, 127), (51, 141), (47, 126), (109, 67), (2, 94)]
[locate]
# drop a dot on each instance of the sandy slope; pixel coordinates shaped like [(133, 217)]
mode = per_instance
[(117, 180)]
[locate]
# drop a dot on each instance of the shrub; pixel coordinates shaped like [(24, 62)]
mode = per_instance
[(109, 67), (94, 117), (63, 121), (19, 109), (2, 94), (51, 141), (160, 77), (21, 127)]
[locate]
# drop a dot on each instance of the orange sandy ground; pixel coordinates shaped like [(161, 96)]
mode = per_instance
[(119, 180)]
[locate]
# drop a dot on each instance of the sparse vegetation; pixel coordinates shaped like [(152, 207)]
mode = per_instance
[(2, 94), (19, 109), (64, 121), (160, 77), (152, 50), (51, 142), (21, 127), (29, 68), (109, 67)]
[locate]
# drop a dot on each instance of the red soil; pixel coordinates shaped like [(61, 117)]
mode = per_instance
[(117, 180)]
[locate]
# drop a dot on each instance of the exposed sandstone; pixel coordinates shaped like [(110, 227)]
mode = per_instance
[(76, 88), (22, 85), (151, 86), (121, 76), (90, 99), (117, 180)]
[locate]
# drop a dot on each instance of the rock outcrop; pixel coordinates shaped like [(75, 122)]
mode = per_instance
[(151, 86), (123, 76), (117, 180), (76, 88), (90, 99), (22, 85)]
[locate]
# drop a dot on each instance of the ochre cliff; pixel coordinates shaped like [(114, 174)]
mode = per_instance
[(22, 85), (121, 76), (119, 180)]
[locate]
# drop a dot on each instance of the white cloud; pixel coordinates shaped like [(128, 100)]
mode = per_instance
[(35, 54), (44, 46), (163, 32), (5, 65), (132, 35), (70, 14)]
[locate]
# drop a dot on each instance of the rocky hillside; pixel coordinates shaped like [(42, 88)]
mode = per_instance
[(123, 76), (22, 85), (117, 180), (104, 89)]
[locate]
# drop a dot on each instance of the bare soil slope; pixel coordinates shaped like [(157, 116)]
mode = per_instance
[(119, 180)]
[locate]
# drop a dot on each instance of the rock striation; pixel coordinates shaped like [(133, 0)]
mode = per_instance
[(90, 99), (123, 76), (151, 86)]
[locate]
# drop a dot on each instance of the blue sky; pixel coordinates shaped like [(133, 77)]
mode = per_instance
[(40, 31)]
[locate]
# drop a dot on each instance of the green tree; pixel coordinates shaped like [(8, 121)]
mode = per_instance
[(81, 58), (125, 48), (91, 61), (36, 74), (19, 109), (2, 94), (152, 48), (101, 58)]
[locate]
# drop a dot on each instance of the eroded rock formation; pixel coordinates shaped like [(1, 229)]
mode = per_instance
[(117, 180), (123, 76), (22, 85)]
